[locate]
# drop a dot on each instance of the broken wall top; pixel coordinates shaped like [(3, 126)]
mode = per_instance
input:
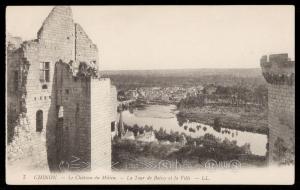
[(60, 17)]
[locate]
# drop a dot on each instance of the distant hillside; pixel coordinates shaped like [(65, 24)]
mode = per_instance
[(131, 79), (194, 73)]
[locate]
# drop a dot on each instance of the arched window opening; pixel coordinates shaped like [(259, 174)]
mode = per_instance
[(39, 121)]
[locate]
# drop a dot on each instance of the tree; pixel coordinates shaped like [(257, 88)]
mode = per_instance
[(192, 130), (261, 95), (147, 128), (126, 127), (246, 148), (177, 136), (172, 136), (121, 95), (141, 130), (189, 139), (224, 90), (135, 129), (217, 124), (160, 134)]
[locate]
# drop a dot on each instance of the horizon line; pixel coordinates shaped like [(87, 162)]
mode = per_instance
[(178, 69)]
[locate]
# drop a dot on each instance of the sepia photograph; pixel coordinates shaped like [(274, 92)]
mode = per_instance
[(150, 94)]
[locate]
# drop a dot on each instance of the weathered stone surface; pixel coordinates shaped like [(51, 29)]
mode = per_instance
[(64, 45), (281, 103)]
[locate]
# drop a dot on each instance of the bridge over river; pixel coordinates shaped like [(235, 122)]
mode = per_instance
[(124, 104)]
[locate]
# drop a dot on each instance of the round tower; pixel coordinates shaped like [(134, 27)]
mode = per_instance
[(279, 72)]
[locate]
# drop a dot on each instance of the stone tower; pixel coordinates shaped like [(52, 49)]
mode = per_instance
[(279, 72), (54, 82)]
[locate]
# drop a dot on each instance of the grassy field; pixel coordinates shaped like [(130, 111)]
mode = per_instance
[(251, 120)]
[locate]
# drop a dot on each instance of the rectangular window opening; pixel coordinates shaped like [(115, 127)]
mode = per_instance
[(45, 71)]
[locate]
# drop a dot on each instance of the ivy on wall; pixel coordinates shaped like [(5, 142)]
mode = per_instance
[(86, 70), (280, 64), (24, 72), (286, 121), (283, 154)]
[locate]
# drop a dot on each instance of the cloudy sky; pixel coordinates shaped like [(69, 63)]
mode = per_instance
[(173, 37)]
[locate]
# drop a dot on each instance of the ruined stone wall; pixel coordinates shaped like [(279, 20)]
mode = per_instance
[(21, 104), (101, 118), (55, 42), (13, 42), (27, 149), (57, 35), (86, 51), (12, 89), (89, 106), (279, 73), (64, 45), (73, 94), (14, 56)]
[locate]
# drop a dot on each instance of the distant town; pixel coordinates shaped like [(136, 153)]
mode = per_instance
[(208, 94), (220, 107)]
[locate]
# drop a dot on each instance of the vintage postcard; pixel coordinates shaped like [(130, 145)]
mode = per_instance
[(150, 94)]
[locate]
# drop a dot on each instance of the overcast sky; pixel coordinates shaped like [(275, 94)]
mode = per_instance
[(173, 37)]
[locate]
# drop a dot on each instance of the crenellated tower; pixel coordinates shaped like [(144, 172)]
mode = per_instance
[(279, 72)]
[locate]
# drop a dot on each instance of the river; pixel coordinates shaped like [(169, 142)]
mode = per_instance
[(165, 116)]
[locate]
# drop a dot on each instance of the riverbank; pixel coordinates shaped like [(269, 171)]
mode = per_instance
[(251, 120), (158, 117), (238, 118), (133, 155)]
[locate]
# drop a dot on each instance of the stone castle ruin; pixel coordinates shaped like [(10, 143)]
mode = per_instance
[(59, 110), (279, 72)]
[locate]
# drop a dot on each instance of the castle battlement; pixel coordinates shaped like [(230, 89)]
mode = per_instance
[(279, 72), (278, 69)]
